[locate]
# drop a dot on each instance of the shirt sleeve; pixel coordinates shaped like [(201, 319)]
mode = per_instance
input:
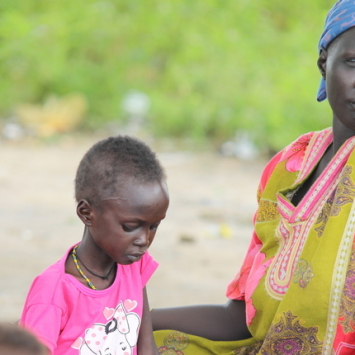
[(148, 267), (44, 321)]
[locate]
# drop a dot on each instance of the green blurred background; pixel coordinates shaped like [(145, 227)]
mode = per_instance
[(208, 67)]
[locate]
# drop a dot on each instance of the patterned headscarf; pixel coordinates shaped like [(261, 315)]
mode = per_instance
[(340, 18)]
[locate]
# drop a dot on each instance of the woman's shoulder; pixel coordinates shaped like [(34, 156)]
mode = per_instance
[(302, 141), (294, 153)]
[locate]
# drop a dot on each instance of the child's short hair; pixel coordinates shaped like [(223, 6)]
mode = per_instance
[(13, 338), (111, 159)]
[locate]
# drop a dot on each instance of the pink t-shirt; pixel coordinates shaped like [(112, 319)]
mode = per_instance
[(70, 318)]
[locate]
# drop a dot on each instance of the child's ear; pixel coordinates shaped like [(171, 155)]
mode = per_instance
[(84, 211)]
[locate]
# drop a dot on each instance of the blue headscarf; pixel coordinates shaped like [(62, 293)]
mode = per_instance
[(340, 18)]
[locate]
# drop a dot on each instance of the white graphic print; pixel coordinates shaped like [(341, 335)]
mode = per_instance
[(117, 337)]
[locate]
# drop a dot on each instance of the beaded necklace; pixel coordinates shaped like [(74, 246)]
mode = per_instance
[(73, 253), (91, 272)]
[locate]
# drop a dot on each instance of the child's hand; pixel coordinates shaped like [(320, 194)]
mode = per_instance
[(146, 343)]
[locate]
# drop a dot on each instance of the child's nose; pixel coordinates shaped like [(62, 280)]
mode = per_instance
[(143, 239)]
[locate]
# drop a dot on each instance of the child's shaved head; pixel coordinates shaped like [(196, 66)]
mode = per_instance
[(109, 161)]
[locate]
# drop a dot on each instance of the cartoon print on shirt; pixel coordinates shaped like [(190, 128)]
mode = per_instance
[(117, 337)]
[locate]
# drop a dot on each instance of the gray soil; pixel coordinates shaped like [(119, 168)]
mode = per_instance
[(200, 245)]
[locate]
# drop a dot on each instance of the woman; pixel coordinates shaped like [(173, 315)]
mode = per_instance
[(295, 293)]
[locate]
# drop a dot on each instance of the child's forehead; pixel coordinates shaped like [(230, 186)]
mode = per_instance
[(137, 191), (145, 203)]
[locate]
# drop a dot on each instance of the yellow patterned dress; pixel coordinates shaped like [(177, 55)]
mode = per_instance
[(298, 277)]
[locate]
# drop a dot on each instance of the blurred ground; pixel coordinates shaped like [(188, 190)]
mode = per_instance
[(199, 246)]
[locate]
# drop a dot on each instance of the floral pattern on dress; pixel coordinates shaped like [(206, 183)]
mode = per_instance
[(174, 344), (347, 305), (344, 192), (343, 195), (295, 153), (249, 350), (267, 211), (323, 217), (303, 273), (177, 343), (289, 337)]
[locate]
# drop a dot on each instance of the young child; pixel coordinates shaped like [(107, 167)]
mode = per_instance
[(17, 341), (94, 300)]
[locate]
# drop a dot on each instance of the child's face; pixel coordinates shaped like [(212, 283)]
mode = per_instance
[(124, 226), (340, 78)]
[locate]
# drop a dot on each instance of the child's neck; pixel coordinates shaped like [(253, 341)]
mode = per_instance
[(95, 276)]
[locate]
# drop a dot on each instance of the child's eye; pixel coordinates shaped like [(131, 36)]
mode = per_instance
[(154, 226), (127, 229)]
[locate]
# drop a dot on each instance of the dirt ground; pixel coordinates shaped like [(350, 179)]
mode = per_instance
[(199, 246)]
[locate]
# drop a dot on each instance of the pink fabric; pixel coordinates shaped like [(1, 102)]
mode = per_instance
[(254, 265), (253, 268), (245, 282), (269, 169), (295, 152), (69, 318)]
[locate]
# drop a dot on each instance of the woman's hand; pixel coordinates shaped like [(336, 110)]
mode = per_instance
[(215, 322)]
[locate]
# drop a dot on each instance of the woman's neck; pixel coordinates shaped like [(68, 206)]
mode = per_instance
[(341, 133)]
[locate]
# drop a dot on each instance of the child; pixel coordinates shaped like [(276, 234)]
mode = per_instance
[(93, 300), (17, 341)]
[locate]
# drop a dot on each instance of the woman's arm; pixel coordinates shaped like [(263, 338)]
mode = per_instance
[(215, 322), (146, 344)]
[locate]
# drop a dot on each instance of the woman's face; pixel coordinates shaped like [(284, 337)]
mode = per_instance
[(337, 64)]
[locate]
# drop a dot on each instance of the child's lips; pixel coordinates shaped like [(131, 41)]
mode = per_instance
[(135, 257)]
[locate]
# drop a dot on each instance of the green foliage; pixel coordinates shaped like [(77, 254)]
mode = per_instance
[(210, 67)]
